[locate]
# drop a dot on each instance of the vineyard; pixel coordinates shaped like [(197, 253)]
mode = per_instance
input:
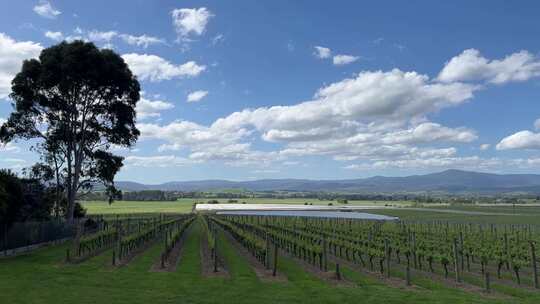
[(457, 250), (480, 263)]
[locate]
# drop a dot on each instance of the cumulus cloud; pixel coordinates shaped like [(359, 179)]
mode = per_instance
[(537, 124), (45, 9), (371, 96), (155, 68), (472, 66), (469, 162), (344, 59), (102, 36), (9, 147), (189, 22), (376, 118), (151, 108), (12, 54), (156, 161), (520, 140), (141, 41), (106, 38), (484, 147), (56, 36), (196, 96), (322, 52)]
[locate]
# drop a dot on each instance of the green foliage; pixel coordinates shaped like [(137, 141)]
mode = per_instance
[(23, 199), (77, 101)]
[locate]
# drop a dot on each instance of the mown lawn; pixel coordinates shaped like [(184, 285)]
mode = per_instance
[(186, 205), (41, 277)]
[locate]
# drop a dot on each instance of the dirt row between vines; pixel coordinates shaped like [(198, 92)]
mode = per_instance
[(207, 263), (171, 263), (260, 270)]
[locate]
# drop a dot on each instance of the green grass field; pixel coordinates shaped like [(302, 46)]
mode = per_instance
[(499, 214), (42, 277), (186, 205)]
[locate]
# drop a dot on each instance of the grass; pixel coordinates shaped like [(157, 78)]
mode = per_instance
[(41, 277), (500, 214)]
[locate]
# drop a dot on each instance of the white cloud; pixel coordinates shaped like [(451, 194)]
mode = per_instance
[(468, 163), (537, 124), (163, 161), (190, 21), (520, 140), (322, 52), (394, 96), (12, 54), (155, 68), (344, 59), (141, 41), (151, 108), (56, 36), (378, 118), (206, 143), (99, 36), (219, 38), (484, 147), (472, 66), (45, 9), (9, 147), (196, 96)]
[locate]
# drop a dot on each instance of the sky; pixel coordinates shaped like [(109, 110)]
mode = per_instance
[(305, 89)]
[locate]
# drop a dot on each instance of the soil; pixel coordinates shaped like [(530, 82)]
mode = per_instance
[(207, 263), (260, 270), (171, 262)]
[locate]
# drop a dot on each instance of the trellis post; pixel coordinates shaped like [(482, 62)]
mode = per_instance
[(275, 259), (387, 257), (533, 264), (456, 261)]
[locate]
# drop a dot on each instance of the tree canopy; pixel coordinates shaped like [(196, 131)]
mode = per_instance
[(77, 101)]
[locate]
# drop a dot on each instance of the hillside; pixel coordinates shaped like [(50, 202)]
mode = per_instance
[(450, 181)]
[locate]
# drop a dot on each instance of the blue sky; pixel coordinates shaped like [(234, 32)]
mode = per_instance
[(305, 89)]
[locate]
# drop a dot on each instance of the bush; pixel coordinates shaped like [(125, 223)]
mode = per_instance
[(90, 224), (79, 211), (11, 197)]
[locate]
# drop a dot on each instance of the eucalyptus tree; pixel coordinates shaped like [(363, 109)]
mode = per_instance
[(73, 104)]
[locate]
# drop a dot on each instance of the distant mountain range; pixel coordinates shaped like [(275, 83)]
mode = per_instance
[(449, 181)]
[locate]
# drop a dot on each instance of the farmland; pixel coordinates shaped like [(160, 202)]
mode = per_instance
[(157, 233)]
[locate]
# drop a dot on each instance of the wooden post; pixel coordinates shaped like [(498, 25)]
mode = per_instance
[(456, 261), (267, 252), (215, 255), (114, 257), (68, 259), (408, 272), (387, 257), (325, 254), (76, 247), (533, 264), (163, 260), (415, 263), (506, 249), (487, 282), (275, 259), (461, 246), (338, 273)]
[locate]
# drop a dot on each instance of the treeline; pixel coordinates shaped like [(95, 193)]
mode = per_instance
[(26, 199), (159, 195)]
